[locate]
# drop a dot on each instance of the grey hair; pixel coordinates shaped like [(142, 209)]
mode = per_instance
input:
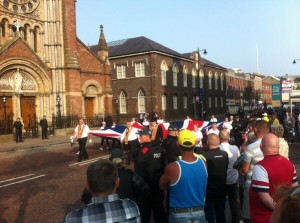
[(277, 130)]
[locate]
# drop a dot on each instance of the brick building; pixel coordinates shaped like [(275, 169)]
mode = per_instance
[(147, 77), (42, 61)]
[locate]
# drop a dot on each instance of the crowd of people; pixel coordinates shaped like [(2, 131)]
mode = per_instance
[(187, 176)]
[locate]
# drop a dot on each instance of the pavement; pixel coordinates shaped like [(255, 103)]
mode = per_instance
[(33, 143)]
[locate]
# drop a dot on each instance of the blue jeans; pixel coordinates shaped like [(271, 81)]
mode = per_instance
[(189, 217)]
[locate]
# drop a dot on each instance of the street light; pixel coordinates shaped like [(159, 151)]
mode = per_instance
[(201, 91), (242, 102), (295, 61), (58, 99), (117, 111)]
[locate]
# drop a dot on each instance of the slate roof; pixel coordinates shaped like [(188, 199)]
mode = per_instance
[(137, 45), (142, 44)]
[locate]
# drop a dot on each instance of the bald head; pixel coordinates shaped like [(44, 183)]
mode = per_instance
[(269, 144), (213, 141), (224, 136)]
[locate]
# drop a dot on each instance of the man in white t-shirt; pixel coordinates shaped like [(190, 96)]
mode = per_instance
[(214, 129), (82, 133), (199, 136), (213, 119)]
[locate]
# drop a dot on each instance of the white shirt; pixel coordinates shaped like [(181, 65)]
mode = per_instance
[(213, 119), (214, 131), (132, 134), (85, 132), (199, 136), (227, 126)]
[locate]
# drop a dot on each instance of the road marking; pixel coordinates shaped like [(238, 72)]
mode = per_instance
[(16, 178), (89, 161), (21, 181)]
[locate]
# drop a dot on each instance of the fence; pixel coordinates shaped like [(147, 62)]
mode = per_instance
[(64, 122)]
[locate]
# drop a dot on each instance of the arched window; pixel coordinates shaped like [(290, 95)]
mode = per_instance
[(35, 38), (175, 102), (141, 102), (163, 102), (4, 23), (193, 78), (163, 68), (222, 81), (123, 103), (201, 79), (210, 80), (185, 71), (185, 102), (175, 75), (216, 81)]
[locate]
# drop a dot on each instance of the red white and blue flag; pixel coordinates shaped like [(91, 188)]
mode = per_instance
[(117, 131)]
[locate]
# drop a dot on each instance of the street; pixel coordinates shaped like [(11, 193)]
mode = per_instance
[(43, 185)]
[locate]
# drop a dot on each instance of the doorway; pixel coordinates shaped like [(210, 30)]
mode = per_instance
[(89, 107), (27, 109)]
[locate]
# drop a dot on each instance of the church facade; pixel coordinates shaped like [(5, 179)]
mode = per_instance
[(44, 68)]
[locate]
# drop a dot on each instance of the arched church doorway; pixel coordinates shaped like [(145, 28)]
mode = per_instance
[(28, 110), (89, 106)]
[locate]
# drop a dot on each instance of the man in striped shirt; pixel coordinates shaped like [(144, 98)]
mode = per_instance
[(274, 170)]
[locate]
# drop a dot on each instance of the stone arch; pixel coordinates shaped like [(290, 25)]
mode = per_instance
[(91, 83), (37, 73)]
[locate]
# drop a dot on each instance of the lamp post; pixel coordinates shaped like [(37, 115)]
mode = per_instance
[(117, 111), (201, 90), (58, 99), (242, 103)]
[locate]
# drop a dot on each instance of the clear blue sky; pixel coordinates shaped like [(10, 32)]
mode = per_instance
[(230, 30)]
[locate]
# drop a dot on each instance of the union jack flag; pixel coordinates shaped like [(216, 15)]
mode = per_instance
[(117, 131)]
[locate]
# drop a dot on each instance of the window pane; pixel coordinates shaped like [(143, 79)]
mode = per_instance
[(185, 102), (175, 79), (175, 102), (123, 104), (141, 102), (121, 71), (139, 69), (163, 102)]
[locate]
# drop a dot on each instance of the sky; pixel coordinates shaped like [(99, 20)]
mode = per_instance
[(234, 32)]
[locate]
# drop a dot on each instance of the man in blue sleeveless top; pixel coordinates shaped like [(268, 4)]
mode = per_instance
[(186, 179)]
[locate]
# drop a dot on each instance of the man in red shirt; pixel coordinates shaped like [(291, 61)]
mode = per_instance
[(274, 170)]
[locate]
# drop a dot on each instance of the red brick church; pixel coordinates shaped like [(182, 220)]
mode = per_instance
[(45, 68)]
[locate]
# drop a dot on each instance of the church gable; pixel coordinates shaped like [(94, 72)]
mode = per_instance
[(88, 61), (19, 49)]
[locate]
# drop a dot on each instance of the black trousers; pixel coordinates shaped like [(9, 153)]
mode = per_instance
[(132, 147), (82, 150), (155, 205), (19, 135), (44, 133), (232, 194), (215, 209)]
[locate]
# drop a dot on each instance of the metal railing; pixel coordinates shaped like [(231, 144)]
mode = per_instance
[(71, 121), (6, 126)]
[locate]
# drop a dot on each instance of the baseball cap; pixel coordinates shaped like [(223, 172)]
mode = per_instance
[(116, 153), (173, 127), (144, 131), (186, 138)]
